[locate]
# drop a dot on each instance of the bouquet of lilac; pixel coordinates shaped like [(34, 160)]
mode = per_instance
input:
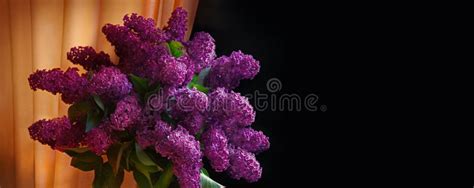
[(156, 113)]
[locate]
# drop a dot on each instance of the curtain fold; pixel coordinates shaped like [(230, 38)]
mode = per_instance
[(37, 34), (21, 55), (47, 27), (166, 9), (6, 100)]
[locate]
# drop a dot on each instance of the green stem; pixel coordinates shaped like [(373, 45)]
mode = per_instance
[(119, 157), (165, 177)]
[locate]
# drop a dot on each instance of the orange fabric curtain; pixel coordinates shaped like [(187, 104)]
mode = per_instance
[(36, 34)]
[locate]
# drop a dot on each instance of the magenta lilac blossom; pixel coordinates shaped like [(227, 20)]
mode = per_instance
[(184, 152), (231, 108), (144, 27), (250, 140), (244, 165), (228, 71), (98, 140), (173, 72), (58, 133), (176, 28), (69, 83), (88, 58), (151, 130), (126, 114), (216, 149), (201, 49), (110, 84)]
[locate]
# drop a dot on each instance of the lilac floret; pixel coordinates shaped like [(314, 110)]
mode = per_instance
[(74, 86), (184, 152), (47, 80), (100, 138), (188, 100), (58, 133), (188, 106), (244, 165), (110, 84), (146, 62), (189, 68), (172, 72), (145, 27), (70, 84), (228, 71), (126, 113), (230, 108), (124, 40), (250, 140), (216, 149), (176, 28), (151, 131), (201, 49), (88, 58), (193, 122), (239, 107)]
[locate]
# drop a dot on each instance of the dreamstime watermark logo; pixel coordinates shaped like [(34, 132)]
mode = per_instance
[(285, 101), (185, 101)]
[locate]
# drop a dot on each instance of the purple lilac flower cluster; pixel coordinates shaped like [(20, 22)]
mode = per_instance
[(214, 123), (229, 142)]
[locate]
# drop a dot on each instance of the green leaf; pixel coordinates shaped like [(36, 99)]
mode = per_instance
[(207, 182), (114, 154), (142, 180), (143, 157), (166, 118), (76, 150), (81, 165), (165, 177), (176, 48), (93, 118), (202, 76), (196, 82), (127, 159), (201, 88), (204, 171), (99, 102), (87, 156), (104, 177), (115, 181), (144, 169), (140, 85), (195, 79), (118, 180), (78, 111), (155, 88), (100, 177), (85, 161), (192, 82)]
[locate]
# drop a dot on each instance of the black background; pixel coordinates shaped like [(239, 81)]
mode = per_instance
[(367, 62), (299, 45)]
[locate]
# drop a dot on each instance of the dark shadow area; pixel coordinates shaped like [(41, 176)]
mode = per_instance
[(305, 147)]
